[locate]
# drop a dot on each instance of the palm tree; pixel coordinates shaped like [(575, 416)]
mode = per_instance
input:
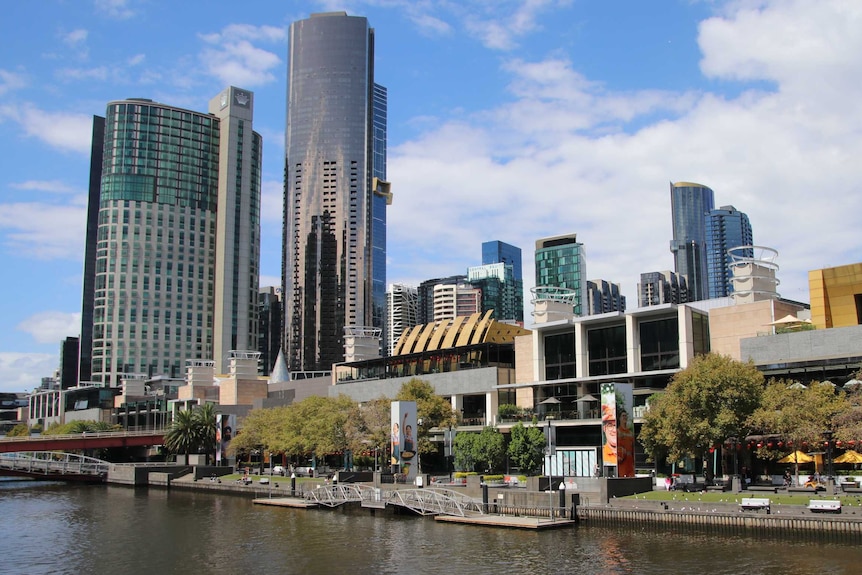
[(192, 431), (182, 434)]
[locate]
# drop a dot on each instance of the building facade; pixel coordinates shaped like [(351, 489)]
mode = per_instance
[(561, 262), (335, 189), (425, 296), (836, 296), (401, 311), (726, 228), (501, 292), (656, 288), (175, 276), (269, 327), (604, 297), (690, 203)]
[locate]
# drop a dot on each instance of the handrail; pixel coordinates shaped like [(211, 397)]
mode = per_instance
[(86, 434)]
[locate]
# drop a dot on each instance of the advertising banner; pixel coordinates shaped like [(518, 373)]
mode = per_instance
[(618, 437), (405, 454)]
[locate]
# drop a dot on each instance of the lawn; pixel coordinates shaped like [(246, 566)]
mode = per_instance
[(728, 497)]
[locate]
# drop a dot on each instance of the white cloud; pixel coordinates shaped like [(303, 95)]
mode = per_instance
[(272, 201), (23, 372), (75, 37), (567, 155), (117, 9), (235, 60), (51, 186), (69, 132), (136, 59), (51, 326), (10, 81), (43, 231)]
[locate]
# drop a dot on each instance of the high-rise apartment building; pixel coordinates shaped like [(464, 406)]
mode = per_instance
[(401, 309), (604, 297), (177, 237), (690, 203), (726, 228), (425, 296), (500, 291), (269, 327), (656, 288), (453, 300), (561, 262), (494, 252), (335, 189)]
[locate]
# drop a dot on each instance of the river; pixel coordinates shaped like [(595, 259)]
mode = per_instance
[(54, 528)]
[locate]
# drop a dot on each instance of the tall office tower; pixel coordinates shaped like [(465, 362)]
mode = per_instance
[(453, 300), (68, 373), (726, 228), (500, 291), (85, 344), (335, 189), (604, 297), (561, 262), (401, 309), (425, 297), (269, 327), (176, 265), (689, 205), (495, 252), (656, 288)]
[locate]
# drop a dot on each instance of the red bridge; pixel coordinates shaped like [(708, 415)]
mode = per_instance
[(89, 440)]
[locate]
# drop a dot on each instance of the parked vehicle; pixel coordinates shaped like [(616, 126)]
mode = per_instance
[(278, 470)]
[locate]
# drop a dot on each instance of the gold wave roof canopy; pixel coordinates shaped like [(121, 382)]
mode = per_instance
[(457, 332)]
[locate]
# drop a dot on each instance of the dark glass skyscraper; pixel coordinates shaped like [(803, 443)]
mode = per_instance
[(335, 191), (689, 205), (726, 228)]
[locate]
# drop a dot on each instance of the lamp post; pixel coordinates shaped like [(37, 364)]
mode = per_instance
[(829, 471), (550, 475)]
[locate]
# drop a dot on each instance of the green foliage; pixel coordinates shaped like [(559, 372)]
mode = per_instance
[(704, 404), (463, 449), (509, 410), (81, 426), (498, 478), (20, 430), (434, 410), (192, 431), (526, 448), (797, 414)]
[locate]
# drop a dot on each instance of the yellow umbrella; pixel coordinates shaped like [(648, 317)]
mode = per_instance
[(797, 457), (849, 457)]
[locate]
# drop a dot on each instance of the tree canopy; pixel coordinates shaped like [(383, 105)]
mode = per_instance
[(706, 403), (526, 448), (434, 410)]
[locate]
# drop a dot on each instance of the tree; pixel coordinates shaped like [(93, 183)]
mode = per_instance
[(526, 448), (704, 404), (367, 426), (20, 430), (434, 410), (489, 449), (192, 431), (463, 450)]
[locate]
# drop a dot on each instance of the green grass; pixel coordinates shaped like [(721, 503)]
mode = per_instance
[(729, 497)]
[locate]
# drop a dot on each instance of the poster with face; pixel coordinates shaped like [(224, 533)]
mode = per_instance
[(618, 438), (403, 441)]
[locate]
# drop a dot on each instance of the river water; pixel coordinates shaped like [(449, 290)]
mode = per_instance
[(54, 528)]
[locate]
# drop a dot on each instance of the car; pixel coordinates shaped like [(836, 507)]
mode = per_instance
[(278, 470)]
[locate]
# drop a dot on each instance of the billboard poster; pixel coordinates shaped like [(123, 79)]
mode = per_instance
[(225, 425), (618, 437), (403, 442)]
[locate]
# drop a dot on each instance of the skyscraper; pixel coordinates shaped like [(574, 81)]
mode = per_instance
[(656, 288), (401, 308), (177, 236), (494, 252), (506, 296), (335, 189), (726, 228), (604, 297), (689, 205), (561, 262)]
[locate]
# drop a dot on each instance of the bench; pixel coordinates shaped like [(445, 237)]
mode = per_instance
[(824, 506), (767, 488), (754, 503), (851, 489)]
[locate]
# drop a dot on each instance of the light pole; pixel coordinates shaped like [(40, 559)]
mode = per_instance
[(829, 471), (550, 475)]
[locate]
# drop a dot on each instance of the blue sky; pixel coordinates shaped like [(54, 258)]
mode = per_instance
[(509, 120)]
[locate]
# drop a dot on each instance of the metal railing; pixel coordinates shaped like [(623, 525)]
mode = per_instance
[(53, 463)]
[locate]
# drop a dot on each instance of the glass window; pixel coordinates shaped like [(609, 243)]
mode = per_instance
[(659, 344), (607, 350)]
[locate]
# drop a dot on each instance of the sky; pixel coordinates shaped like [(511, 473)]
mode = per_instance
[(508, 120)]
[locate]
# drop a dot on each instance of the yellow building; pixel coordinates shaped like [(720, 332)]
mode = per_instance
[(836, 296)]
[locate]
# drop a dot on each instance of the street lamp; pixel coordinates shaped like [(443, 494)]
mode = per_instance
[(828, 435), (550, 475)]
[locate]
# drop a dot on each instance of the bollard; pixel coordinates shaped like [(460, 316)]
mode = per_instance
[(293, 484), (485, 497)]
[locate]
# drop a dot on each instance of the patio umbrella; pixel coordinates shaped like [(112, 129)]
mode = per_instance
[(551, 401), (796, 457), (586, 397), (849, 457)]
